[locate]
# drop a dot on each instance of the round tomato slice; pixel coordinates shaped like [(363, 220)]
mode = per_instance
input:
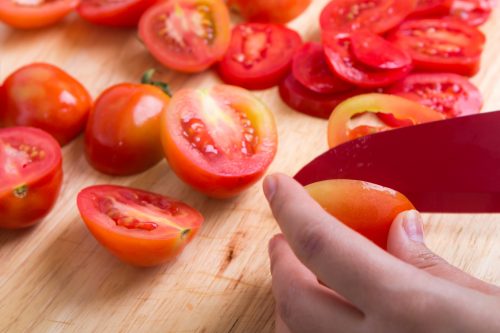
[(219, 140), (365, 207), (24, 14), (121, 13), (341, 59), (377, 16), (441, 45), (431, 8), (186, 35), (472, 12), (277, 11), (259, 55), (140, 228), (30, 176), (345, 122)]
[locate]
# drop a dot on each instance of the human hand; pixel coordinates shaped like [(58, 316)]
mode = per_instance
[(365, 289)]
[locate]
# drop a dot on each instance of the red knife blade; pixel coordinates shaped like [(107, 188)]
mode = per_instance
[(446, 166)]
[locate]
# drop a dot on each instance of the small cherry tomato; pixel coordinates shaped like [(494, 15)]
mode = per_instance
[(30, 176), (366, 208), (431, 8), (186, 35), (121, 13), (472, 12), (44, 96), (26, 14), (140, 228), (277, 11), (259, 55), (219, 140)]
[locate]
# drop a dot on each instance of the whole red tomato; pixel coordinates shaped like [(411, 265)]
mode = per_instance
[(277, 11), (34, 14)]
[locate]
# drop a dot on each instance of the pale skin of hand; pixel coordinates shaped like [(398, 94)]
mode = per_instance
[(366, 289)]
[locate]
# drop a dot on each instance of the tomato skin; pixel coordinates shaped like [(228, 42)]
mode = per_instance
[(276, 11), (38, 16), (366, 208), (43, 182), (431, 8), (125, 13), (132, 245), (123, 132), (44, 96)]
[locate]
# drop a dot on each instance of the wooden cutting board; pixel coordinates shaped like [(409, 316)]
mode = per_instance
[(55, 277)]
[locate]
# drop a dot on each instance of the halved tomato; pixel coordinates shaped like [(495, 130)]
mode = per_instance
[(25, 14), (277, 11), (259, 55), (30, 176), (114, 13), (473, 12), (431, 8), (140, 228), (219, 140), (186, 35), (366, 208)]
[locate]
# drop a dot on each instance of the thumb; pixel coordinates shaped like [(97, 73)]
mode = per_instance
[(406, 242)]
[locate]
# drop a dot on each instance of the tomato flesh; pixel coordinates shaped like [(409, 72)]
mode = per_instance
[(121, 13), (34, 14), (431, 8), (472, 12), (276, 11)]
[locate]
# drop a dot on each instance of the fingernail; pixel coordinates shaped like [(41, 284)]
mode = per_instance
[(269, 187), (412, 224)]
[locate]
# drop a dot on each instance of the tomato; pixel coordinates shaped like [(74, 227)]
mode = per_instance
[(342, 60), (277, 11), (34, 14), (30, 176), (259, 55), (311, 70), (441, 45), (140, 228), (121, 13), (430, 8), (377, 16), (473, 12), (342, 129), (44, 96), (219, 140), (365, 207), (186, 35)]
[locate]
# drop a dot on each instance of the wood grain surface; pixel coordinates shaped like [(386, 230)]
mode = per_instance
[(55, 277)]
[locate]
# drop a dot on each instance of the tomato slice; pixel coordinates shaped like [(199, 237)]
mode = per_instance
[(259, 55), (23, 14), (30, 176), (431, 8), (377, 16), (186, 35), (277, 11), (140, 228), (472, 12), (219, 140), (341, 59), (441, 45), (365, 207), (341, 127), (121, 13)]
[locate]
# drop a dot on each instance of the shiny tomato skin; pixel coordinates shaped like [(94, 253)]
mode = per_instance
[(44, 96), (219, 140), (275, 11), (30, 179), (123, 132), (259, 55), (472, 12), (431, 8), (35, 16), (168, 31), (365, 207), (124, 13), (140, 228)]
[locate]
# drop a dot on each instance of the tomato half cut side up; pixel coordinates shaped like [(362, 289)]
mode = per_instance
[(259, 55), (31, 15), (186, 35), (365, 207), (472, 12), (276, 11), (30, 176), (431, 8), (219, 140), (346, 124), (122, 13), (140, 228)]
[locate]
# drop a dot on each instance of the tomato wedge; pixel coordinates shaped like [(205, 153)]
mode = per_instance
[(277, 11), (219, 140), (259, 55), (343, 128), (365, 207), (431, 8), (34, 14), (114, 13), (472, 12), (30, 176), (186, 35), (441, 45), (140, 228)]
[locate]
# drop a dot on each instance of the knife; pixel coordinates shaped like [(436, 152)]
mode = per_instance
[(445, 166)]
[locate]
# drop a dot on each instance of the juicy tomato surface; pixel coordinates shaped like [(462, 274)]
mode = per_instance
[(365, 207), (441, 45), (34, 14), (342, 126), (140, 228), (277, 11), (121, 13), (44, 96), (259, 55), (219, 140), (30, 176), (377, 16), (473, 12), (431, 8), (123, 132), (186, 35)]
